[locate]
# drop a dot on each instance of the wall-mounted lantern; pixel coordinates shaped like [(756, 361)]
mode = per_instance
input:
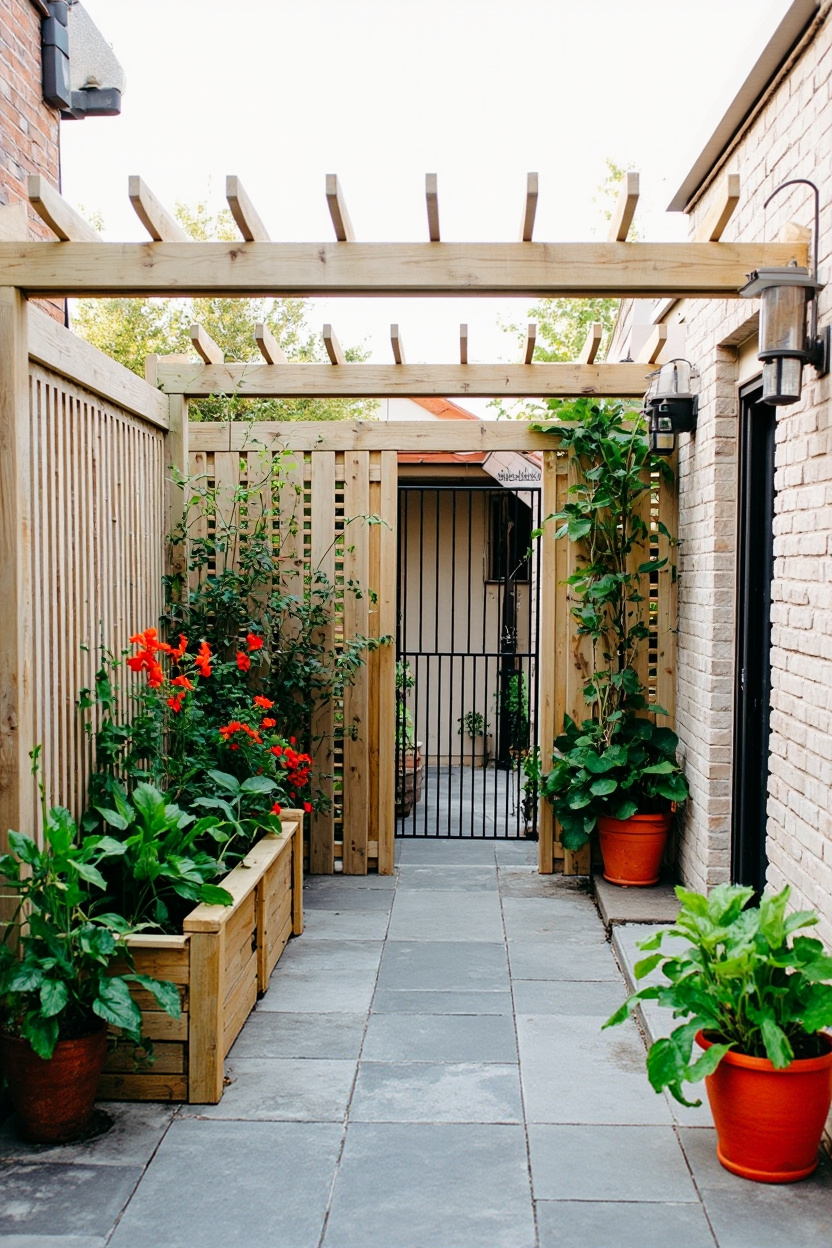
[(671, 404), (789, 319)]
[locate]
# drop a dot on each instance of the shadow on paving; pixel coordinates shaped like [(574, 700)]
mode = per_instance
[(426, 1070)]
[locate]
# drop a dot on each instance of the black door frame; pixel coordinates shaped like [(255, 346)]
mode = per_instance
[(752, 676)]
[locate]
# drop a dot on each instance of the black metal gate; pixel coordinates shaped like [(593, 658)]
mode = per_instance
[(466, 660)]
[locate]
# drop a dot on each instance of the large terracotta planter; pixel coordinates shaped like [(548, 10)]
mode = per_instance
[(769, 1122), (54, 1099), (632, 849)]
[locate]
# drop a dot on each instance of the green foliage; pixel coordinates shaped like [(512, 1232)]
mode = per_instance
[(473, 724), (128, 330), (514, 705), (622, 769), (740, 974), (61, 986), (161, 864), (405, 729), (616, 763)]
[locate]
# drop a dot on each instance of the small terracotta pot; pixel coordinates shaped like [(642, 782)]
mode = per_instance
[(769, 1122), (53, 1099), (632, 849)]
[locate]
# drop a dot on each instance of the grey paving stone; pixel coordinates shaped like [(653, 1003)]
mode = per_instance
[(424, 1001), (687, 1116), (449, 876), (564, 996), (53, 1241), (436, 1092), (348, 883), (658, 904), (435, 1186), (462, 851), (282, 1090), (764, 1215), (351, 925), (561, 920), (578, 1073), (269, 1033), (522, 851), (440, 1038), (130, 1141), (524, 880), (371, 900), (216, 1184), (700, 1150), (47, 1198), (600, 1224), (309, 957), (604, 1163), (444, 915), (444, 965), (537, 959), (320, 992)]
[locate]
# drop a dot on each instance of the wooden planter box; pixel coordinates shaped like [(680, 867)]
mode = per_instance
[(221, 962)]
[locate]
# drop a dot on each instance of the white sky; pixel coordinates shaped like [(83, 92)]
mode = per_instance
[(282, 92)]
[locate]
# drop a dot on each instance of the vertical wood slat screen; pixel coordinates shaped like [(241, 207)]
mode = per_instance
[(354, 755), (565, 658), (97, 549)]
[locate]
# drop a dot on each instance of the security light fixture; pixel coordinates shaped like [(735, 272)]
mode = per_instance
[(789, 319), (671, 404)]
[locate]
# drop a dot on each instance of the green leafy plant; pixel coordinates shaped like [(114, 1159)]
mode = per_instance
[(57, 957), (160, 864), (741, 975), (513, 701), (405, 729), (621, 769), (616, 762), (473, 724)]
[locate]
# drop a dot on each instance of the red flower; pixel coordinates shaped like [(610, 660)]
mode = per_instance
[(175, 704), (307, 806), (263, 702), (155, 675), (235, 747), (182, 682), (277, 750), (148, 640), (243, 661), (276, 809), (203, 659), (175, 652), (267, 723), (254, 642)]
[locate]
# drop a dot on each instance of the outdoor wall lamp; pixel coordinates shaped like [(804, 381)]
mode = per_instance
[(671, 404), (789, 319)]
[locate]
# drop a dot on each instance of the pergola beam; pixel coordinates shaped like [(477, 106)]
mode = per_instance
[(625, 208), (651, 349), (338, 210), (160, 224), (592, 344), (530, 210), (244, 213), (267, 344), (397, 345), (463, 344), (333, 347), (62, 219), (432, 202), (531, 339), (373, 435), (537, 270), (402, 380), (205, 346), (711, 228)]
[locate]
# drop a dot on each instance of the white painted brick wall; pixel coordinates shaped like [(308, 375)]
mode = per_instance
[(792, 137)]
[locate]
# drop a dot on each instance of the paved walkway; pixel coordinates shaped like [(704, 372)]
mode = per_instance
[(427, 1070)]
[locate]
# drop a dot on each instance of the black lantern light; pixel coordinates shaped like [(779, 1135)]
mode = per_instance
[(671, 404), (789, 319)]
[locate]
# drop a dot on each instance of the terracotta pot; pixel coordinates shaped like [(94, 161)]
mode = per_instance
[(53, 1099), (632, 849), (769, 1122)]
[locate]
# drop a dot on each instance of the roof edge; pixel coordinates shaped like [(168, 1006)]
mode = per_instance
[(799, 15)]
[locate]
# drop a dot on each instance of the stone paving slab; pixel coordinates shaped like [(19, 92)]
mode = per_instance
[(215, 1184), (42, 1197), (609, 1163), (131, 1141), (426, 1001), (616, 1224), (360, 899), (350, 924), (421, 914), (440, 1038), (444, 965), (565, 997), (437, 1092), (432, 1185), (536, 959), (320, 992), (269, 1033), (282, 1090), (553, 920), (463, 853), (468, 879)]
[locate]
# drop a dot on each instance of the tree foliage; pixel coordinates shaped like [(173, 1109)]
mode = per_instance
[(128, 330)]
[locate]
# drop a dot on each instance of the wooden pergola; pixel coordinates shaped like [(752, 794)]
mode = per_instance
[(80, 263)]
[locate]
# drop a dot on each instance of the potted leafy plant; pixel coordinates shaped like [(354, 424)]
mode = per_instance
[(474, 725), (622, 776), (408, 749), (615, 770), (58, 989), (755, 998)]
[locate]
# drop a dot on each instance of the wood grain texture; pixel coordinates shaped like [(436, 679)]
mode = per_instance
[(401, 380), (356, 696), (160, 224), (625, 208), (384, 691), (370, 435), (322, 558), (537, 270), (244, 213), (547, 726), (62, 219)]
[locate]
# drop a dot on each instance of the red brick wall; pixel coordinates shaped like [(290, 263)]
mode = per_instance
[(28, 127)]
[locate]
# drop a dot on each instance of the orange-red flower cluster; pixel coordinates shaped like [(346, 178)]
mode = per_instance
[(202, 660), (262, 702), (237, 725), (145, 660), (254, 642), (243, 661)]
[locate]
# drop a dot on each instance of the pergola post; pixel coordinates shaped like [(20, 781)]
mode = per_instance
[(17, 790)]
